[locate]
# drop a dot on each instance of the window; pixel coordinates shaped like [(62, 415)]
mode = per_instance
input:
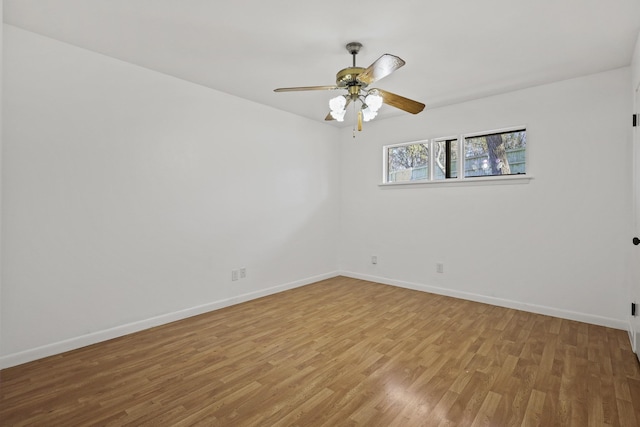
[(407, 162), (446, 158), (457, 158), (501, 153)]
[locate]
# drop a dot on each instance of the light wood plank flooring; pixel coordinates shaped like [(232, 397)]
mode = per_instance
[(341, 352)]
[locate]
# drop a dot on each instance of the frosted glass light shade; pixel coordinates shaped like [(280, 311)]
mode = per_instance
[(338, 115), (368, 114), (338, 103), (374, 102)]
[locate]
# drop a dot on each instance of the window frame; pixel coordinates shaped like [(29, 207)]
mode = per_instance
[(488, 133), (460, 166), (385, 161), (445, 139)]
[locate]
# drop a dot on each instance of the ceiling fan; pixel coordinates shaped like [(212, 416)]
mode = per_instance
[(356, 81)]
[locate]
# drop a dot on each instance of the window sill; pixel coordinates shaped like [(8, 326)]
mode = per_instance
[(489, 180)]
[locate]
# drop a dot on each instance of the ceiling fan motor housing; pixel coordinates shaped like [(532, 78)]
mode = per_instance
[(347, 77)]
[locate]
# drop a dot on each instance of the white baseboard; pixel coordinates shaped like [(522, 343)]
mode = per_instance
[(517, 305), (118, 331)]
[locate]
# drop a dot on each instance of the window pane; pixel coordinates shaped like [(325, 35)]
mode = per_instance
[(408, 162), (440, 159), (495, 154)]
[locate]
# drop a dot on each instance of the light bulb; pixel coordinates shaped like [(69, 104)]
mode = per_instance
[(368, 113), (338, 103), (373, 101), (338, 115)]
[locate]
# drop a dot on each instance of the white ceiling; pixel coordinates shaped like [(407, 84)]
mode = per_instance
[(455, 50)]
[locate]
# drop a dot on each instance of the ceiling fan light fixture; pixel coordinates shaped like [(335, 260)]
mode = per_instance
[(338, 103), (338, 107), (338, 115), (373, 101), (368, 114)]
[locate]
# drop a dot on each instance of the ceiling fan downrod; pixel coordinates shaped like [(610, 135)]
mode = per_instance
[(353, 48)]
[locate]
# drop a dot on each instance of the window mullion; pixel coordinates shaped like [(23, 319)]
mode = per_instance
[(431, 160), (447, 159), (461, 158)]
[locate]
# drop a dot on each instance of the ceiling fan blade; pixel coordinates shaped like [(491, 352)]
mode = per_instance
[(406, 104), (382, 67), (301, 88)]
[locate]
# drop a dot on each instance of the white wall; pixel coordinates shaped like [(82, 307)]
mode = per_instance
[(635, 65), (557, 245), (129, 196)]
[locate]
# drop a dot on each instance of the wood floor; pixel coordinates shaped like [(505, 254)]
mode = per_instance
[(341, 352)]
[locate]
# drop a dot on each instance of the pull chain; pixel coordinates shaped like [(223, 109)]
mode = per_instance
[(355, 118), (354, 115)]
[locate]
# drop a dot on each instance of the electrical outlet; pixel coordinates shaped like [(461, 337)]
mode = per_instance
[(440, 267), (243, 272), (374, 259), (234, 275)]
